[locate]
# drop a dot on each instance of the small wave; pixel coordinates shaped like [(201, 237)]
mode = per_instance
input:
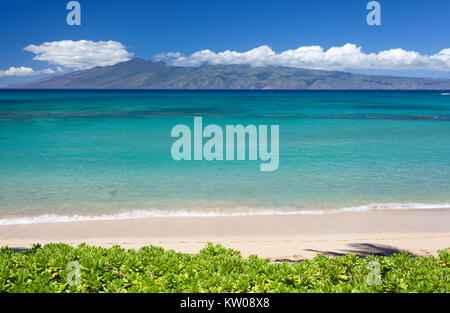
[(445, 94), (137, 214)]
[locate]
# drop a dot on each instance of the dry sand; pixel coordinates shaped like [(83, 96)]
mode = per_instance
[(279, 237)]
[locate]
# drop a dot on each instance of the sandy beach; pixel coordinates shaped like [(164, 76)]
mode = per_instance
[(278, 237)]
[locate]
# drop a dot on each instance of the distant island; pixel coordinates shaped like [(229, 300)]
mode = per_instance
[(141, 74)]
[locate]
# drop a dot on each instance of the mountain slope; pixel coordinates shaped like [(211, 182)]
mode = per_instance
[(141, 74)]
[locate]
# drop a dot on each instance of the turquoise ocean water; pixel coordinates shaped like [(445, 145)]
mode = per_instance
[(106, 154)]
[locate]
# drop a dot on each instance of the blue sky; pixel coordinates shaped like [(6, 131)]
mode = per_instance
[(147, 28)]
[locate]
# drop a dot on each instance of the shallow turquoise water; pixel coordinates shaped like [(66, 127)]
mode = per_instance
[(95, 153)]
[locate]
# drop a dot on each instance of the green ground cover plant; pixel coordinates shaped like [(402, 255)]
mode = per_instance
[(213, 269)]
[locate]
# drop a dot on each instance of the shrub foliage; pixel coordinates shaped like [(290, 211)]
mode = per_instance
[(213, 269)]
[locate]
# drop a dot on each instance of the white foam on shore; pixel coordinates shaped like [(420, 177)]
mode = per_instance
[(137, 214)]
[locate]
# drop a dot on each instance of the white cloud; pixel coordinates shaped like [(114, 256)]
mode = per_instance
[(80, 55), (17, 71), (348, 56), (167, 56), (24, 71)]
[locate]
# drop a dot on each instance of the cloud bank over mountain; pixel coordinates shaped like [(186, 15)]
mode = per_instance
[(348, 56), (69, 55)]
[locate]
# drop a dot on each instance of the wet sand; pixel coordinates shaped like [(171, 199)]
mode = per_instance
[(279, 237)]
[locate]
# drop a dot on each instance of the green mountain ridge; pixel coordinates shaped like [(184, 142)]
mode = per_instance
[(141, 74)]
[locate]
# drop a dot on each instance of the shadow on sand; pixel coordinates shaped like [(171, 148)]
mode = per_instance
[(364, 250), (360, 249)]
